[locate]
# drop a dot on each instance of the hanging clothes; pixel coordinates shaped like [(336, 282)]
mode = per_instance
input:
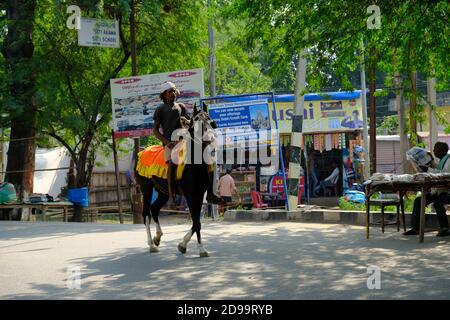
[(322, 142), (328, 145), (335, 140), (316, 142), (341, 140)]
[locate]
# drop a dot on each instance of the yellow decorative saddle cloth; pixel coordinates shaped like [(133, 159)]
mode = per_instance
[(151, 163)]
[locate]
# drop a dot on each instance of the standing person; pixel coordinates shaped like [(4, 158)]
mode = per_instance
[(439, 197), (227, 187)]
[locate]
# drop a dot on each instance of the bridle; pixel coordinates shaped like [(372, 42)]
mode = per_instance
[(204, 118)]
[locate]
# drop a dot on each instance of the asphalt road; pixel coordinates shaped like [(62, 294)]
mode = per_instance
[(249, 260)]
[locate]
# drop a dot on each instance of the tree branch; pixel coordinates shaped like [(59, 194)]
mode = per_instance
[(72, 93), (73, 155)]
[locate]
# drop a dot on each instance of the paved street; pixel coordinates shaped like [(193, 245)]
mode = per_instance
[(249, 260)]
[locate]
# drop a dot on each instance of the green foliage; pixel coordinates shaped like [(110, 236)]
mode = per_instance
[(353, 206), (389, 125), (150, 141), (413, 36), (73, 82), (350, 205)]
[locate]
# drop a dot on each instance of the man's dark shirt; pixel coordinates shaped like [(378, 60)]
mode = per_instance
[(169, 118)]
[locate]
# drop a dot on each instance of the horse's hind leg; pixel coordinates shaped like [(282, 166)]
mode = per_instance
[(155, 209), (147, 190)]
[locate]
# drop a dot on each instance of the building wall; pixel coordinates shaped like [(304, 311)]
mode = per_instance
[(388, 156)]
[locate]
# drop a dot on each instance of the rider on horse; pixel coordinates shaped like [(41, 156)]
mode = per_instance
[(169, 117)]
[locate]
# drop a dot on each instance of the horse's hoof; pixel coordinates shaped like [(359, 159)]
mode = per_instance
[(156, 241), (181, 248), (204, 254), (154, 249)]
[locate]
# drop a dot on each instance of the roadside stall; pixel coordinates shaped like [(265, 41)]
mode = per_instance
[(332, 132)]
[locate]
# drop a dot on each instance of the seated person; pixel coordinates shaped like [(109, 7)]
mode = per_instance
[(439, 198), (329, 181)]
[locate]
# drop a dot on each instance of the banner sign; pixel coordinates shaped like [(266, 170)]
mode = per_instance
[(277, 186), (244, 121), (134, 99), (99, 33), (325, 115)]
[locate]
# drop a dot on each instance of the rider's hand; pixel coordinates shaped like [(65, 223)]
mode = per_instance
[(171, 144)]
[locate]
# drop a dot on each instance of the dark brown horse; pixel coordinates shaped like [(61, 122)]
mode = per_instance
[(193, 183)]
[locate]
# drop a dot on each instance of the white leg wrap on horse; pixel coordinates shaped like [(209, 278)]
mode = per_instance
[(159, 232), (149, 233), (157, 238), (187, 238), (202, 251), (150, 243)]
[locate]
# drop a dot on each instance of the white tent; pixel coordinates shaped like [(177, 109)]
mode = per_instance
[(51, 181)]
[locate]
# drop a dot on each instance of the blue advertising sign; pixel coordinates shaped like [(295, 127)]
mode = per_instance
[(242, 121)]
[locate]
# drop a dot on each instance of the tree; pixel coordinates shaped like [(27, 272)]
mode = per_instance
[(412, 37), (18, 98), (238, 70), (73, 82)]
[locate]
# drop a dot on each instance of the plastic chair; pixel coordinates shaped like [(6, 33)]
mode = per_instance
[(257, 200), (389, 200), (329, 189)]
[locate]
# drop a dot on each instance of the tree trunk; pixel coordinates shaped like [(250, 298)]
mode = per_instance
[(413, 109), (18, 51), (83, 174), (398, 84)]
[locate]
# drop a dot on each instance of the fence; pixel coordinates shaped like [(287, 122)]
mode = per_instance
[(103, 190)]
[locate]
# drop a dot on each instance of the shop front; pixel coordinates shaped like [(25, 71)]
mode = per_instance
[(332, 138), (332, 145)]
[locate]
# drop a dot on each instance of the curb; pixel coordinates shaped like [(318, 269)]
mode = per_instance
[(319, 216)]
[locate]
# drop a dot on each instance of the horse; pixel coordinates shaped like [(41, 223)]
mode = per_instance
[(193, 183)]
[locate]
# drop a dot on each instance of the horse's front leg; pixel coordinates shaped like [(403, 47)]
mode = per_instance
[(182, 246), (159, 233), (201, 250), (195, 202), (151, 244), (196, 227)]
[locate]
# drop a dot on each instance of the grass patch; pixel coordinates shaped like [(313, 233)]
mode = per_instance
[(353, 206)]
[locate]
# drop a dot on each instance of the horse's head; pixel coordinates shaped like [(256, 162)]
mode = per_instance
[(200, 118)]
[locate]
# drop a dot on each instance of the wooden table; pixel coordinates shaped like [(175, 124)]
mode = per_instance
[(43, 206), (402, 187)]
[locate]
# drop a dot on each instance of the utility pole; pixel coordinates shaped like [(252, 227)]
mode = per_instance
[(364, 109), (137, 201), (400, 106), (212, 93), (296, 135), (212, 58), (432, 124), (373, 112)]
